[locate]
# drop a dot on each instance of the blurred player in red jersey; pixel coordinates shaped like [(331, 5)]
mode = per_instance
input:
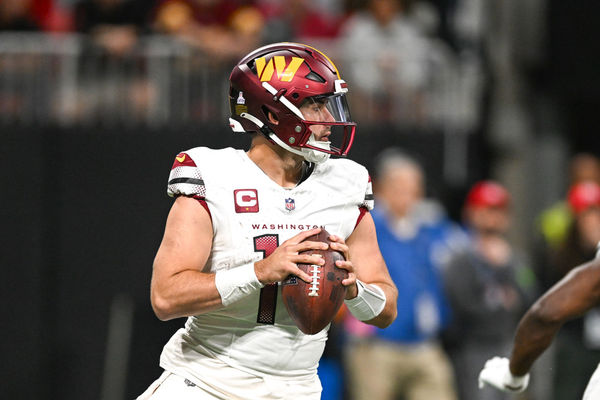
[(236, 229)]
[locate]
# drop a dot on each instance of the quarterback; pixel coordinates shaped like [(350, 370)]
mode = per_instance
[(236, 230)]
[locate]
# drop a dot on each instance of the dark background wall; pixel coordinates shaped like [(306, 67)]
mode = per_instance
[(82, 214)]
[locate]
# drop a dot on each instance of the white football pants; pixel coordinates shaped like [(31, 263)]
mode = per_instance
[(237, 385)]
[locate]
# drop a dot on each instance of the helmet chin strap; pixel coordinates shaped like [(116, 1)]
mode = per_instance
[(309, 155), (316, 155)]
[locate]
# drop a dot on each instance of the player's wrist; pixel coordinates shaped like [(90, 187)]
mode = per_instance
[(516, 383), (258, 272), (236, 283), (261, 272), (368, 303)]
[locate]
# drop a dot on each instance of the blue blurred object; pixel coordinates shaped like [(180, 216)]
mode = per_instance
[(332, 378)]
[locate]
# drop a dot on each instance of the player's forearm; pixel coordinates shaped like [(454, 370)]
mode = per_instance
[(534, 335), (186, 293), (385, 318), (571, 296)]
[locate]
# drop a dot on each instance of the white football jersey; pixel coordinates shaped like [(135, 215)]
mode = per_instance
[(251, 216)]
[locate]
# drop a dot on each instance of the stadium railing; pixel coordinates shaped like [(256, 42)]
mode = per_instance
[(64, 79)]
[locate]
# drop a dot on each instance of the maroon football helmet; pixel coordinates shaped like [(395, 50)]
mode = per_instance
[(281, 79)]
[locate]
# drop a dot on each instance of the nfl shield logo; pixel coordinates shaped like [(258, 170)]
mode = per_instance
[(290, 204)]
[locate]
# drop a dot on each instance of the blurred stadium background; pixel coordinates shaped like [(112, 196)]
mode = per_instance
[(90, 123)]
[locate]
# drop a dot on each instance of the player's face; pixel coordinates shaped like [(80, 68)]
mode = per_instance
[(317, 111)]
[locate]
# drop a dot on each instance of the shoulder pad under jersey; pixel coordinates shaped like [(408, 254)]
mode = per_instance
[(185, 178)]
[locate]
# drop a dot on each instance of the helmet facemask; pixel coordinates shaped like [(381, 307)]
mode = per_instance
[(322, 126), (327, 118)]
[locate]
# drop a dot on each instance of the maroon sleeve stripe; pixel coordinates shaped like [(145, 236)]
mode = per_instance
[(203, 203), (362, 211)]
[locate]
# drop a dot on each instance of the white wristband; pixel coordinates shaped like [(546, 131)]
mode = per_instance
[(368, 303), (236, 283)]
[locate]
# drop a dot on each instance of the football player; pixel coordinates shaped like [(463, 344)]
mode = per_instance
[(576, 293), (237, 226)]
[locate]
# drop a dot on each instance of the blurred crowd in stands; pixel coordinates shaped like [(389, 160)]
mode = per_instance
[(406, 62), (224, 23)]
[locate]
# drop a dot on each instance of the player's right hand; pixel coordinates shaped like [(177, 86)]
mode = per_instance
[(496, 373), (285, 259)]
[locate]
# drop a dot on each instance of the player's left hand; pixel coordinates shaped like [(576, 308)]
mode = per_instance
[(497, 374), (340, 245)]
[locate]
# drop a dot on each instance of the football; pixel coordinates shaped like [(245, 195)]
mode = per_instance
[(313, 305)]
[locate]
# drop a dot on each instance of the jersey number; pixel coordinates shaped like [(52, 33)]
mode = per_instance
[(267, 244)]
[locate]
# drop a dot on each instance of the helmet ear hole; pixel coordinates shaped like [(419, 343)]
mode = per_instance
[(270, 115), (272, 118)]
